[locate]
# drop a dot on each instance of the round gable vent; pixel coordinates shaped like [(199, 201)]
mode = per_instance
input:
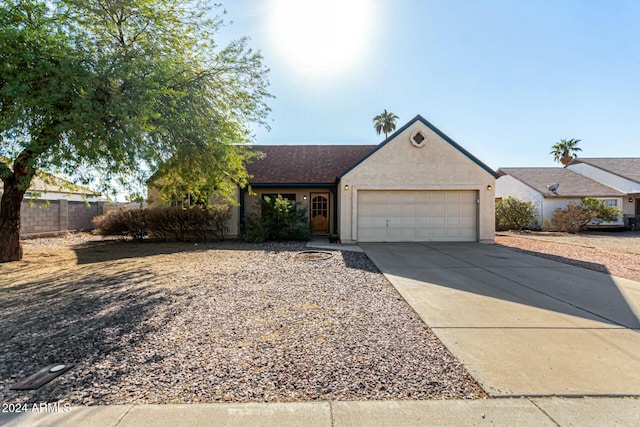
[(418, 139)]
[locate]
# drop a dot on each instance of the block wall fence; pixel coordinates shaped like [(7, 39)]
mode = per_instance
[(60, 215)]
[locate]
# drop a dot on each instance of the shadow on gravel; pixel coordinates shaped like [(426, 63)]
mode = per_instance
[(114, 250), (81, 317), (359, 261)]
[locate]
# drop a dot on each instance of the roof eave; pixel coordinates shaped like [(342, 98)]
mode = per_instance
[(291, 184)]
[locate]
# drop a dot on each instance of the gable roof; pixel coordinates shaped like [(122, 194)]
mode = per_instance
[(44, 182), (304, 164), (436, 131), (572, 184), (626, 167)]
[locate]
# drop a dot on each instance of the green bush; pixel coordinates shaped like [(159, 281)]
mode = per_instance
[(280, 219), (164, 223), (575, 217), (515, 214)]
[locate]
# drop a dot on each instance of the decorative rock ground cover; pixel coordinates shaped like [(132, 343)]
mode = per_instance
[(227, 322)]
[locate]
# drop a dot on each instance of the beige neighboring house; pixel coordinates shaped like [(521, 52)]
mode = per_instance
[(417, 185), (537, 186), (54, 188), (53, 205)]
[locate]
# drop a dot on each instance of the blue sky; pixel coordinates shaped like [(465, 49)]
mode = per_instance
[(505, 79)]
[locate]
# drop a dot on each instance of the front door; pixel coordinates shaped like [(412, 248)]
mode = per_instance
[(319, 213)]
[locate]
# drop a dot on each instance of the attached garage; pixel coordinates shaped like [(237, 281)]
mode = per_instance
[(418, 185), (417, 216)]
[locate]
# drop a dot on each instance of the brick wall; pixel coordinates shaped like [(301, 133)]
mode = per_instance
[(60, 215)]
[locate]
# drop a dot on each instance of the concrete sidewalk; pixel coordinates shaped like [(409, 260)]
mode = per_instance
[(522, 325), (491, 412)]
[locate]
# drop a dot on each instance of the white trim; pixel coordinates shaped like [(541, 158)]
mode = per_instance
[(415, 143)]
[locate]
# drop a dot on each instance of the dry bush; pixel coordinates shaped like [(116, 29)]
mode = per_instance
[(165, 223), (576, 218)]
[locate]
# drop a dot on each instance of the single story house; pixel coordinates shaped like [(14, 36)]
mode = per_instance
[(553, 188), (416, 185), (622, 173), (55, 188)]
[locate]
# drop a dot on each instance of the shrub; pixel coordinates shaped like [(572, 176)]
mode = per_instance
[(280, 219), (122, 223), (178, 223), (515, 214), (255, 232), (217, 219), (575, 217)]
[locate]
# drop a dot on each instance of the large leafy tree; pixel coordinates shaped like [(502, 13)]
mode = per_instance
[(385, 122), (106, 91), (565, 150)]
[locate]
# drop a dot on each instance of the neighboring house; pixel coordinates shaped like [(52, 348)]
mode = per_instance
[(53, 205), (417, 185), (532, 184), (49, 187), (622, 173)]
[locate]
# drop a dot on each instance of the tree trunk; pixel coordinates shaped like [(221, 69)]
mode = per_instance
[(10, 248)]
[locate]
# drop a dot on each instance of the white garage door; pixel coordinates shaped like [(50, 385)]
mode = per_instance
[(417, 216)]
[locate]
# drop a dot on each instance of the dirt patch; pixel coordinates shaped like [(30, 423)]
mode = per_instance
[(627, 241), (617, 254), (228, 322)]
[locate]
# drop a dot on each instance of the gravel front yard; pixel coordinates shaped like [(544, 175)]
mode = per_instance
[(183, 323), (617, 254)]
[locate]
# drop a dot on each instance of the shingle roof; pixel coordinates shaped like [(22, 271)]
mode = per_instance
[(304, 164), (572, 184), (626, 167)]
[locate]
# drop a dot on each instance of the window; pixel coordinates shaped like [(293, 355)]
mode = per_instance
[(418, 139), (188, 201), (611, 203), (320, 206)]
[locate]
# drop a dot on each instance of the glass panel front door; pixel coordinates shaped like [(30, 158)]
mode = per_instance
[(320, 212)]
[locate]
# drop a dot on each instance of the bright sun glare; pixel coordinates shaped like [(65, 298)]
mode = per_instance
[(321, 38)]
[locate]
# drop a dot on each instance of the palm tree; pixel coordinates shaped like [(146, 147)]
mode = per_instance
[(565, 150), (385, 122)]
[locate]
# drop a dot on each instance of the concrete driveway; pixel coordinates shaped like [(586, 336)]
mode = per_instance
[(522, 325)]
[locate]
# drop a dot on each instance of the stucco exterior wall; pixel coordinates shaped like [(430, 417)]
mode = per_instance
[(629, 208), (71, 197), (398, 165), (549, 205), (508, 186)]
